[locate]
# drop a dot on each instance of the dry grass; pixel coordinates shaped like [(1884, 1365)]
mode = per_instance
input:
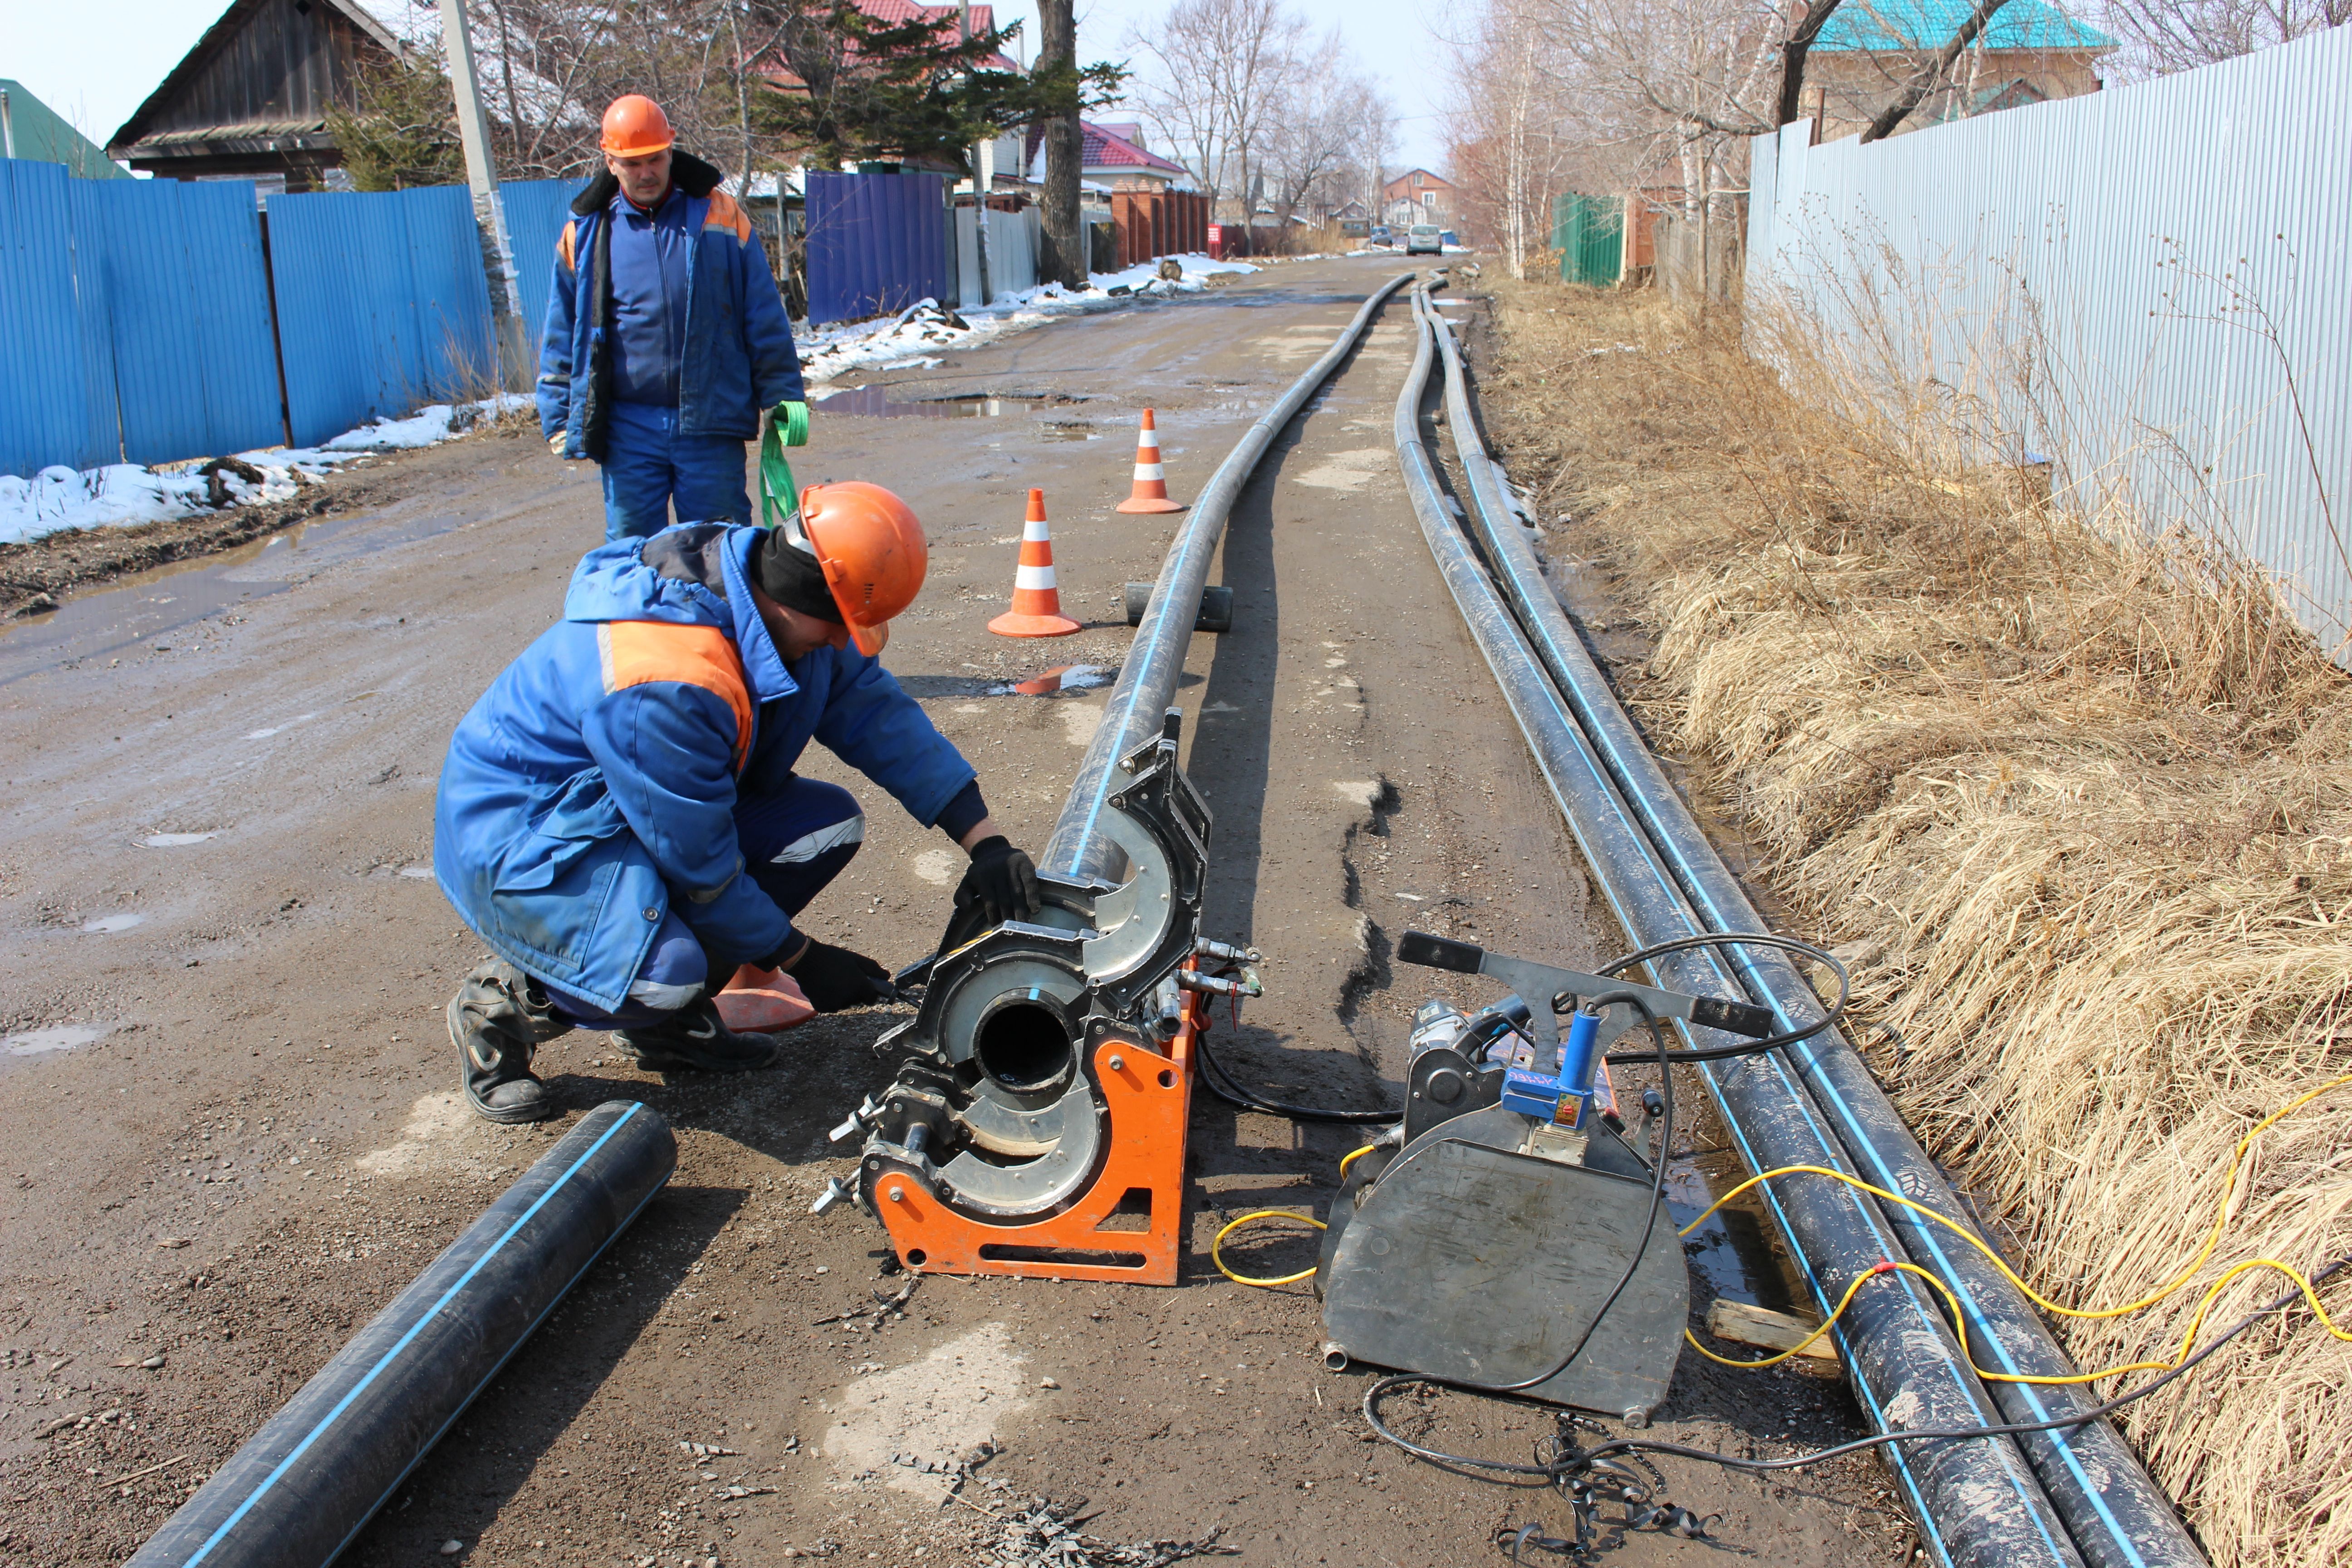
[(2081, 799)]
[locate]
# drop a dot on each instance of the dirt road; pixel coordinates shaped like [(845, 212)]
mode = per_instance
[(228, 1125)]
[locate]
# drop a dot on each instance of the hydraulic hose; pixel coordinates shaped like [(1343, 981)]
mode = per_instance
[(297, 1492), (1977, 1502), (1077, 852), (2118, 1515)]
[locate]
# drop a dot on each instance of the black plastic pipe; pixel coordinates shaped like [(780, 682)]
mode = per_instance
[(1138, 705), (1977, 1502), (295, 1495), (2118, 1515)]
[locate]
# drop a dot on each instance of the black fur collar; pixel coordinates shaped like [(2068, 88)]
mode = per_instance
[(686, 172)]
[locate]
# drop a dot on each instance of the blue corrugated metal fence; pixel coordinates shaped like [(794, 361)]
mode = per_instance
[(173, 292), (136, 317), (47, 406), (536, 212), (382, 305), (875, 243)]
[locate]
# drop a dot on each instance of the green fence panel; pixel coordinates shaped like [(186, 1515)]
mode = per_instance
[(1589, 234)]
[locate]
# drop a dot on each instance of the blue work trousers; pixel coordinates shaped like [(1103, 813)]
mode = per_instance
[(793, 841), (649, 468)]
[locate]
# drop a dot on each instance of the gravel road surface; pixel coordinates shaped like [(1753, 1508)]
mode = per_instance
[(229, 1125)]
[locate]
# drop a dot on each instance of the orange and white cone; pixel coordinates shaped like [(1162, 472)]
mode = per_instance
[(1037, 601), (1150, 478)]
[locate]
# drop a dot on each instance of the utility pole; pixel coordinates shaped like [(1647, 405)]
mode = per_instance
[(489, 216), (983, 170)]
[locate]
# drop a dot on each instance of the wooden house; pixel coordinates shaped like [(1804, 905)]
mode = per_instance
[(250, 101)]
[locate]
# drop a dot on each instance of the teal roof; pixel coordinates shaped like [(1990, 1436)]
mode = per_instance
[(1921, 24), (41, 135)]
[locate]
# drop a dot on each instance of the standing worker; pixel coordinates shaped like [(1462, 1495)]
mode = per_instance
[(666, 342), (619, 817)]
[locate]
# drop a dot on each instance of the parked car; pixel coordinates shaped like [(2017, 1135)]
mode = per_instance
[(1423, 239), (1381, 235)]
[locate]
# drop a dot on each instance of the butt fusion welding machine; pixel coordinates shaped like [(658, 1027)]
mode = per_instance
[(1501, 1235), (1504, 1236), (1038, 1127)]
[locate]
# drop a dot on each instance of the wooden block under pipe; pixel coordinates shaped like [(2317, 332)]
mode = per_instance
[(1768, 1331)]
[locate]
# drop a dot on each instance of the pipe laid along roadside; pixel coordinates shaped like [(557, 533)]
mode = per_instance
[(2116, 1512), (2061, 1498)]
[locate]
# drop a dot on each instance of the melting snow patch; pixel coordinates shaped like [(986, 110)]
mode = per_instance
[(56, 1038), (925, 328), (124, 495), (106, 924), (174, 840)]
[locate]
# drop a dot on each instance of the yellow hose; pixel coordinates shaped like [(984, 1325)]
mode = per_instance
[(1217, 1257), (2197, 1321)]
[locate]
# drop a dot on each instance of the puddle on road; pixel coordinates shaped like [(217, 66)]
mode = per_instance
[(875, 402), (151, 604), (174, 840), (56, 1038), (106, 925), (1733, 1249)]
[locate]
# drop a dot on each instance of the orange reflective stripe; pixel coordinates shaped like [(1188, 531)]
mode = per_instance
[(635, 652), (725, 213), (566, 240)]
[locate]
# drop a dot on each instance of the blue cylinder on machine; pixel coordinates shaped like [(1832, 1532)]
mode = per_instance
[(1577, 1058)]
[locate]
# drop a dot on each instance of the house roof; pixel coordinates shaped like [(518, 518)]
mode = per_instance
[(43, 135), (1910, 25), (897, 14), (1102, 150), (218, 36), (1399, 181)]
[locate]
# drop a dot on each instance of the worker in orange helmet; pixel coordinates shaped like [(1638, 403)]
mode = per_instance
[(621, 820), (665, 342)]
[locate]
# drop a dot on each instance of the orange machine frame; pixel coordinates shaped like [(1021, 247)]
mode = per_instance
[(1149, 1100)]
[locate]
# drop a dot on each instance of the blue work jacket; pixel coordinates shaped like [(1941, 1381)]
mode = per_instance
[(591, 789), (738, 355)]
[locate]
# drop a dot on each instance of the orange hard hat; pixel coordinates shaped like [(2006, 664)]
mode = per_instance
[(872, 551), (634, 126)]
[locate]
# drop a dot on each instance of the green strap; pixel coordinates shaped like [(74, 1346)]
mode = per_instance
[(778, 492)]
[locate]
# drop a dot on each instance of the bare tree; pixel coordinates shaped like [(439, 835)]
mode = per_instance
[(1057, 59), (1217, 78), (1329, 108), (2160, 37)]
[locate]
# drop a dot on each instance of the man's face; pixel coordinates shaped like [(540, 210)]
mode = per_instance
[(644, 181), (797, 635)]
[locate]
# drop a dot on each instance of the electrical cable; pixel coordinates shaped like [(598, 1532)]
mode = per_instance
[(2188, 1271), (1835, 1013), (1225, 1086), (1217, 1257), (1352, 1156), (1559, 1468)]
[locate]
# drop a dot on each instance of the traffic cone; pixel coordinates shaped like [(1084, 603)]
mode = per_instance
[(1151, 480), (1036, 603)]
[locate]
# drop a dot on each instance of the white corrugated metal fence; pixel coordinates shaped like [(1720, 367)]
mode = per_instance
[(2151, 287)]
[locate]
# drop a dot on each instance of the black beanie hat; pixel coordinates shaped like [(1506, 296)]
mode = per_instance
[(789, 574)]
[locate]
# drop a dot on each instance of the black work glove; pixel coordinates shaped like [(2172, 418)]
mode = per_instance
[(1001, 880), (833, 978)]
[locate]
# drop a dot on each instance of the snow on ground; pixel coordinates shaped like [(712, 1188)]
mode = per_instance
[(124, 495), (925, 328)]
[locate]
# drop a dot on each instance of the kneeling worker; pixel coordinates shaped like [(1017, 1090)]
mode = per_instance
[(619, 818)]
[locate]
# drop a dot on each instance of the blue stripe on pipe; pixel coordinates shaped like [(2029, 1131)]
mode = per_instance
[(521, 1340), (1666, 884), (413, 1329), (1702, 901)]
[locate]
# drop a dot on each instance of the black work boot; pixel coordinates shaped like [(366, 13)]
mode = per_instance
[(695, 1038), (497, 1017)]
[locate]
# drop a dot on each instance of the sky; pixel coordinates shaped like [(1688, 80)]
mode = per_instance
[(50, 49)]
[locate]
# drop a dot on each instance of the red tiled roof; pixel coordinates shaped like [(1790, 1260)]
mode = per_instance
[(1105, 150), (897, 14)]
